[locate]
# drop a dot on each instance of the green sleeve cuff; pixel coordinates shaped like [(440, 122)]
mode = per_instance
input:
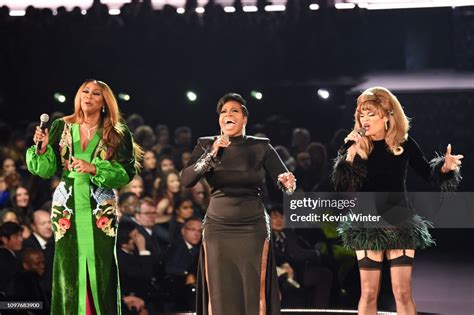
[(109, 174), (43, 165)]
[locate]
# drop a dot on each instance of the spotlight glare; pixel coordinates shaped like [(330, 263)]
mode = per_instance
[(180, 10), (323, 93), (229, 9), (192, 97), (200, 10), (256, 94), (59, 97), (124, 96)]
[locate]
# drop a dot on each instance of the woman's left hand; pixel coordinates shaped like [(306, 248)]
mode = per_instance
[(451, 162), (288, 181), (82, 166)]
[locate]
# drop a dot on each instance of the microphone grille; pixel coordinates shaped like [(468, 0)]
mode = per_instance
[(44, 118), (361, 132)]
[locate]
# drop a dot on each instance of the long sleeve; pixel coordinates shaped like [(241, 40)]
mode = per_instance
[(200, 162), (431, 171), (45, 165), (274, 166), (120, 170), (348, 176)]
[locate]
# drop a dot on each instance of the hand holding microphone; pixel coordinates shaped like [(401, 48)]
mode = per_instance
[(352, 144), (222, 141), (41, 136)]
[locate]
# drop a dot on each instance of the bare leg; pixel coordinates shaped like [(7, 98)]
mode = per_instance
[(401, 280), (370, 275)]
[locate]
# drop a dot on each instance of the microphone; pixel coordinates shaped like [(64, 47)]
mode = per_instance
[(349, 143), (44, 118), (218, 152)]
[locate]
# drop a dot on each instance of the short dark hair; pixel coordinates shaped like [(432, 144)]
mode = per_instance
[(123, 232), (182, 199), (124, 197), (232, 97), (191, 219), (275, 208), (145, 200), (10, 228)]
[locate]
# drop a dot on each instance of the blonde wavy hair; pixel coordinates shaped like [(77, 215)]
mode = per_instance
[(382, 102), (111, 120)]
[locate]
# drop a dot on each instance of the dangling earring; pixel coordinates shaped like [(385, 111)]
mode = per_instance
[(243, 131), (386, 125), (103, 109)]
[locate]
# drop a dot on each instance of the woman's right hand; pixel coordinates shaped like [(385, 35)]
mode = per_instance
[(221, 142), (41, 136), (352, 150)]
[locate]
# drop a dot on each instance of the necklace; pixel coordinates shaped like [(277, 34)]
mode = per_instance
[(89, 130)]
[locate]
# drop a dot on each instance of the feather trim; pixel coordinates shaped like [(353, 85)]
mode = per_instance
[(448, 182), (348, 176), (414, 236)]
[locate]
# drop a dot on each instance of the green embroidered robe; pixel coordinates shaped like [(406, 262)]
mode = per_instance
[(84, 218)]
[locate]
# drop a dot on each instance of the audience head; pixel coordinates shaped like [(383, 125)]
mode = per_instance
[(40, 222), (184, 208), (11, 236), (33, 260), (192, 231), (277, 218), (128, 203), (146, 213)]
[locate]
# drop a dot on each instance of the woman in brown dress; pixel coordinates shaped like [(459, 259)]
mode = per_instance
[(237, 274)]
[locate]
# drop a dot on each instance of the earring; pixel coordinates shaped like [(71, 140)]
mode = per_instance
[(103, 109), (386, 125), (243, 131)]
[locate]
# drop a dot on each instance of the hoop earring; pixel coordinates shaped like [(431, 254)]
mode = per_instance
[(386, 125)]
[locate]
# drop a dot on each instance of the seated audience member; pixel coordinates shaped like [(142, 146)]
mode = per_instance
[(42, 239), (304, 280), (136, 267), (127, 205), (11, 243), (200, 194), (156, 240), (26, 284), (183, 211), (181, 265)]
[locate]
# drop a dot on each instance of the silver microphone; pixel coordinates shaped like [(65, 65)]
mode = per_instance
[(44, 118)]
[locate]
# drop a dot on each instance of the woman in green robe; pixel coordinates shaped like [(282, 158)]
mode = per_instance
[(95, 153)]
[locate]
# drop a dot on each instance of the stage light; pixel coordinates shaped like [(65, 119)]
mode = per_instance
[(114, 11), (323, 93), (83, 12), (342, 6), (59, 97), (256, 94), (200, 10), (125, 97), (275, 7), (314, 6), (229, 9), (180, 10), (250, 8), (17, 13), (192, 97)]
